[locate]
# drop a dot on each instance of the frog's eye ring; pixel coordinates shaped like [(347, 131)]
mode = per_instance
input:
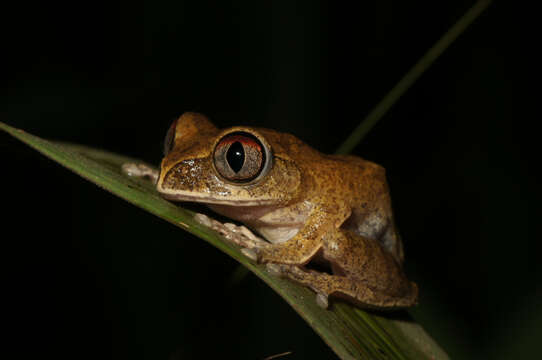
[(170, 137), (240, 157)]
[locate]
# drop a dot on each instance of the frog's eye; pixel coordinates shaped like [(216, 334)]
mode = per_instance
[(170, 137), (240, 157)]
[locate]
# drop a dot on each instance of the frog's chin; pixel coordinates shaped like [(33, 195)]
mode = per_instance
[(191, 197)]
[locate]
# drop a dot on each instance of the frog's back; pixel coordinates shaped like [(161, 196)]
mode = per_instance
[(372, 214)]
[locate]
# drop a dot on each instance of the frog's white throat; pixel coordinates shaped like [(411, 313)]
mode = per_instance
[(266, 220)]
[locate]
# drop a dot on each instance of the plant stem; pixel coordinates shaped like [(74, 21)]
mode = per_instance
[(411, 76)]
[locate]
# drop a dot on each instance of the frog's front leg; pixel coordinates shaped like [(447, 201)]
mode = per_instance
[(239, 235), (141, 170), (306, 243)]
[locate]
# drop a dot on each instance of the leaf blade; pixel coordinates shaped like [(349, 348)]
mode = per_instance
[(350, 332)]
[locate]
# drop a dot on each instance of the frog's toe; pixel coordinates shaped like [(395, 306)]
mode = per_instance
[(203, 220), (250, 253), (140, 170), (322, 300), (274, 269)]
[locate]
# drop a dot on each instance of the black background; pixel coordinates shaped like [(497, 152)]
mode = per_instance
[(86, 275)]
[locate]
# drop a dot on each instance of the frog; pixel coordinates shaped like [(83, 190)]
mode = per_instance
[(324, 221)]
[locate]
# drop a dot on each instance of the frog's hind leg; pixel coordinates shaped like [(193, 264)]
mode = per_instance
[(326, 285), (362, 272)]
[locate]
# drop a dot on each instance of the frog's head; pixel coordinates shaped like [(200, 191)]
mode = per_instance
[(239, 166)]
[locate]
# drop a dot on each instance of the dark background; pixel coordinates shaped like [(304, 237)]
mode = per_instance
[(86, 275)]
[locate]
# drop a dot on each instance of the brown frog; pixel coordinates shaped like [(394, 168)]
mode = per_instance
[(330, 210)]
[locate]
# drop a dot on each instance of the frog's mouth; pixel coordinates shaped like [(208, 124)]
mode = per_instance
[(192, 197)]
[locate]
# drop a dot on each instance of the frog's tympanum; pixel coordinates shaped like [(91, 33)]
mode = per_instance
[(327, 219)]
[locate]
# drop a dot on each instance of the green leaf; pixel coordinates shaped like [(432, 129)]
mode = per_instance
[(352, 333)]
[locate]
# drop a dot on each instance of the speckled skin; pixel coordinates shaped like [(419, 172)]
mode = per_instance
[(309, 206)]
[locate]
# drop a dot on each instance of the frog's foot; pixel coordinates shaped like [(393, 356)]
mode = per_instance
[(294, 272), (239, 235), (354, 290), (140, 170)]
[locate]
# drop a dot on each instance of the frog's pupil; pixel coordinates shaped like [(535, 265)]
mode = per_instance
[(236, 156)]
